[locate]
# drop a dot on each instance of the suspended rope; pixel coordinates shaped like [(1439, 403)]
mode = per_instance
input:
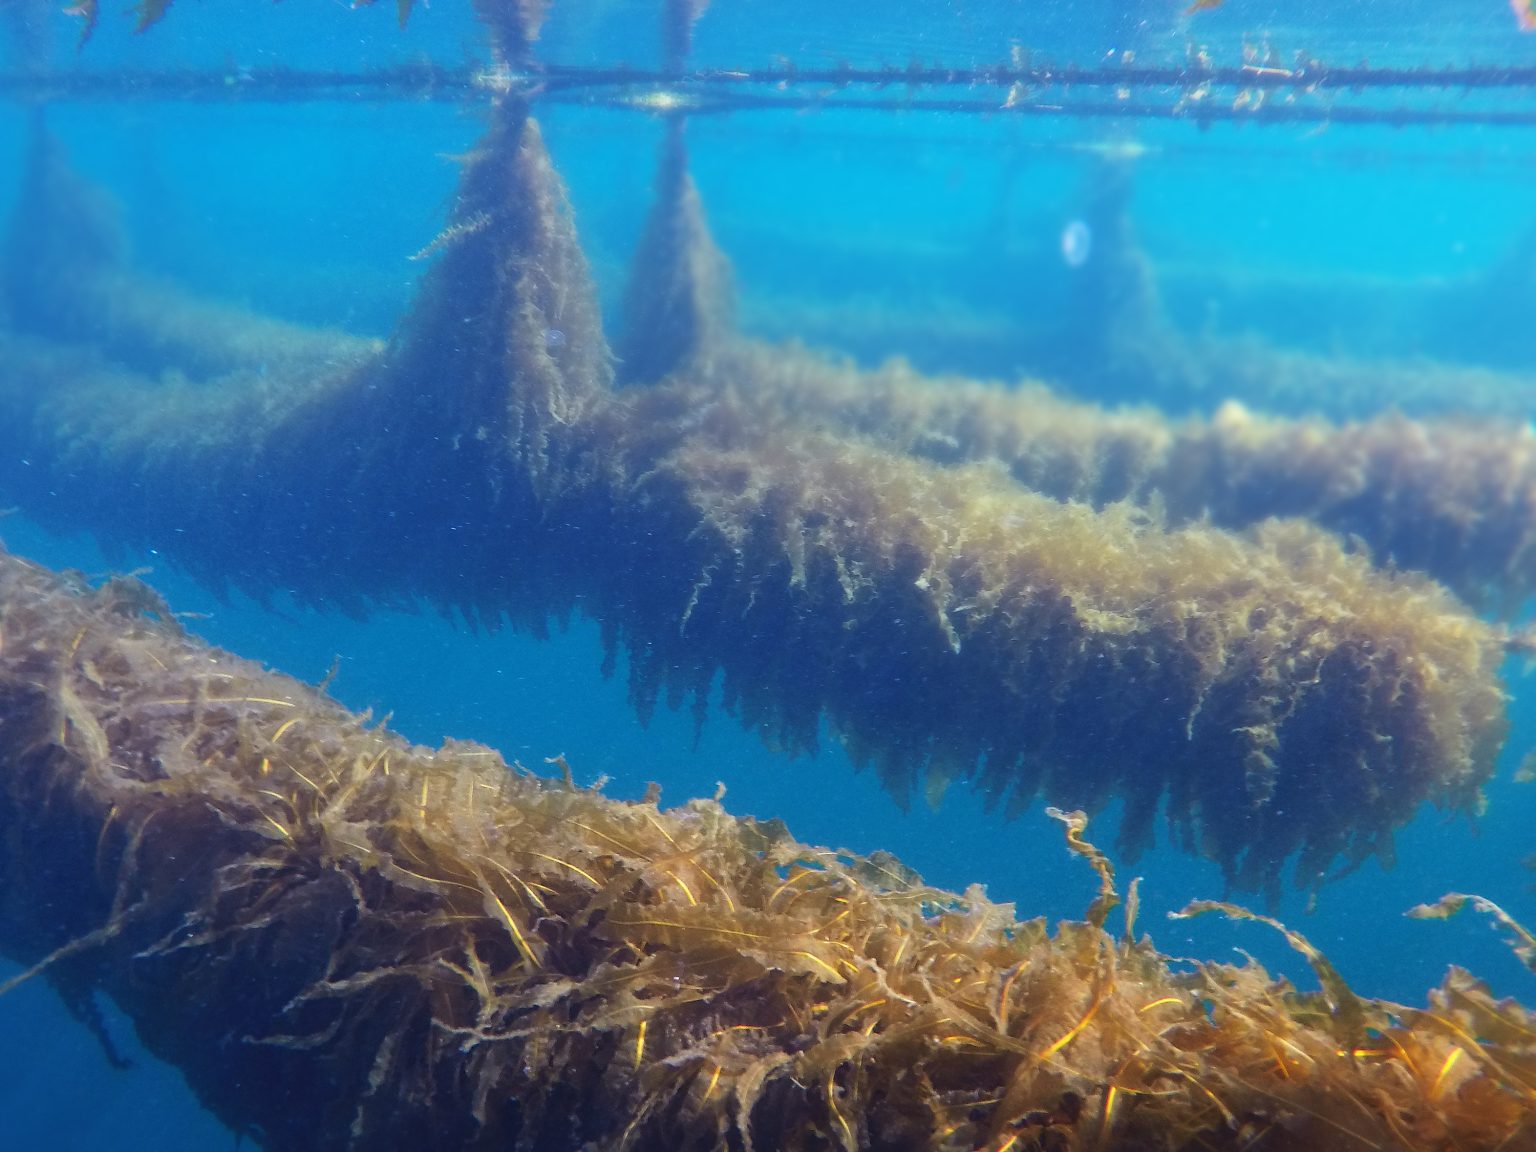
[(1310, 93)]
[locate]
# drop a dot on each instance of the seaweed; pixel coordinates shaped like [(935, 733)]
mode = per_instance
[(677, 21), (1522, 942), (1276, 695), (1453, 497), (348, 942), (514, 25), (678, 304)]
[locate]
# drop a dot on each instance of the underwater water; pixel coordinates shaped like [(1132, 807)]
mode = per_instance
[(960, 239)]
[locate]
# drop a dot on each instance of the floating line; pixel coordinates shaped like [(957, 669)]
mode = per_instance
[(1197, 93)]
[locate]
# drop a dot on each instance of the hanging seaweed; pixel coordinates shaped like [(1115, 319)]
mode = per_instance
[(1279, 697), (679, 300)]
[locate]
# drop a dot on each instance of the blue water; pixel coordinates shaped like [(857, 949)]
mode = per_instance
[(309, 211)]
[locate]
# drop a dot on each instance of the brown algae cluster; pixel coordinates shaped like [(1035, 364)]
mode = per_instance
[(1453, 497), (952, 625), (348, 942), (1083, 639)]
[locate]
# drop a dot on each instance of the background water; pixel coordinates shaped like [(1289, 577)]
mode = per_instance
[(836, 222)]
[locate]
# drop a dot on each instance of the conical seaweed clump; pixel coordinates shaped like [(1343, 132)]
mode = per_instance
[(346, 942), (505, 339), (677, 308)]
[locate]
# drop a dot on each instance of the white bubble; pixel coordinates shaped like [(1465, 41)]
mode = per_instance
[(1076, 243)]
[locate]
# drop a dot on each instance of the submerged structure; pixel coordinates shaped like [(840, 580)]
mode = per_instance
[(953, 577), (346, 942)]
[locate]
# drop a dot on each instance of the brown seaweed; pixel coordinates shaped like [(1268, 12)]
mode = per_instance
[(1453, 497), (1275, 693), (1521, 939), (348, 942), (678, 304)]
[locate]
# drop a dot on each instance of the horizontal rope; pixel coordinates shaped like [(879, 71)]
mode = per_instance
[(1197, 93)]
